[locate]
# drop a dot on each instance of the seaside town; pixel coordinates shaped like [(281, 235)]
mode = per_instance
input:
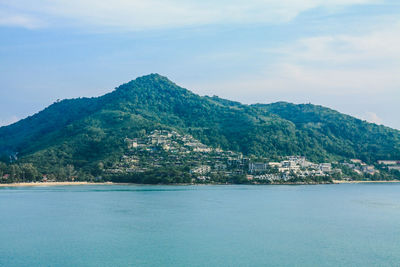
[(162, 148), (168, 149)]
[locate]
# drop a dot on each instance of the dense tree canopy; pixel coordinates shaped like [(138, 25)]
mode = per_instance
[(88, 133)]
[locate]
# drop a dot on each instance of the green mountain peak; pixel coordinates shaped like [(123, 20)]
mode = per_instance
[(86, 132)]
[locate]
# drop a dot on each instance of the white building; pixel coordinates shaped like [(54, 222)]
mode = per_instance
[(258, 167), (203, 169), (397, 168), (274, 164), (325, 167), (388, 162)]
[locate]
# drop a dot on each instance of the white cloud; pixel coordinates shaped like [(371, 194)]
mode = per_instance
[(145, 14), (351, 73), (19, 20), (375, 49), (372, 117), (8, 121), (339, 65), (344, 64)]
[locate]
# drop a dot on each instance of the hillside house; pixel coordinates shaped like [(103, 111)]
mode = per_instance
[(258, 167), (203, 169)]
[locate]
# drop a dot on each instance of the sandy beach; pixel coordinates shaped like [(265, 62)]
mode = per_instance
[(110, 183), (359, 182), (51, 184)]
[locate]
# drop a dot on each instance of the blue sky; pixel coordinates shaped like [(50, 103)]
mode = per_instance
[(344, 54)]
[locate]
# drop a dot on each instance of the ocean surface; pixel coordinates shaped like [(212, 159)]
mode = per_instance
[(132, 225)]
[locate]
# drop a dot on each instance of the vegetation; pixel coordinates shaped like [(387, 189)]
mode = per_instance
[(77, 139)]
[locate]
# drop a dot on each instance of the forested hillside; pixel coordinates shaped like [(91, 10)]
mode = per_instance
[(85, 136)]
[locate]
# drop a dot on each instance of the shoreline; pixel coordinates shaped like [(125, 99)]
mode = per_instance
[(44, 184), (363, 181), (52, 184)]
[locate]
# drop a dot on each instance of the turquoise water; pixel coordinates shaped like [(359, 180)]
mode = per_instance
[(109, 225)]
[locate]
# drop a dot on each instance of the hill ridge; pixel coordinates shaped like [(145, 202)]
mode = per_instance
[(84, 132)]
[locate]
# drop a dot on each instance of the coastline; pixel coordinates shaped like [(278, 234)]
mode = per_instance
[(44, 184), (363, 181), (52, 184)]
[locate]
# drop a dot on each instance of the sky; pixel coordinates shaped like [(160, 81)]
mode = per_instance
[(343, 54)]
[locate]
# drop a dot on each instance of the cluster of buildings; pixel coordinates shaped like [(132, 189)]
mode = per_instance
[(272, 177), (359, 167), (288, 168), (168, 141), (163, 148), (390, 164)]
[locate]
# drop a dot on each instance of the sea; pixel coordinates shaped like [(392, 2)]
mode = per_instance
[(211, 225)]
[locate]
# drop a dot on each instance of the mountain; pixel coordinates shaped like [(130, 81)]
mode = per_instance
[(338, 133), (89, 133)]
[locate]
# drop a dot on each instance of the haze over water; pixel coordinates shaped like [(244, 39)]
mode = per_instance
[(129, 225)]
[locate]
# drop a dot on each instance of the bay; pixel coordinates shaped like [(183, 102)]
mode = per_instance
[(233, 225)]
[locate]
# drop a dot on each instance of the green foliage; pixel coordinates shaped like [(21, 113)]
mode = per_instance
[(18, 173), (326, 133), (88, 134), (157, 176)]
